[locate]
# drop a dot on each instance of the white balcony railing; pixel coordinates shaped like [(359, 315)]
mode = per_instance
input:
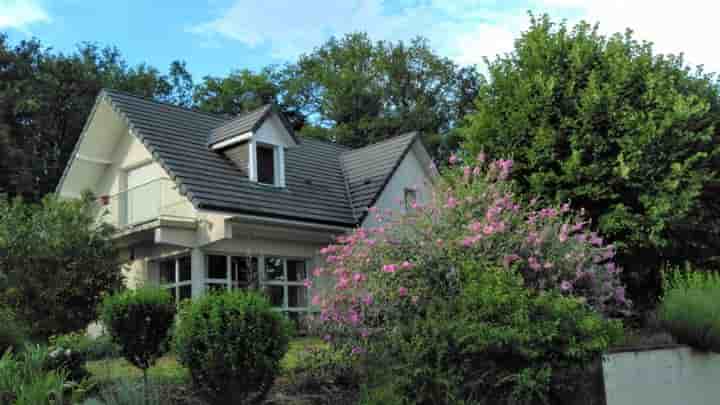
[(144, 203)]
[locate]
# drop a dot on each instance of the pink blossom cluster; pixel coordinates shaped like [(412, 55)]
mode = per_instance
[(390, 271)]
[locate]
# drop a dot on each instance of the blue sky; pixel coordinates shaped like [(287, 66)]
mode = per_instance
[(217, 36)]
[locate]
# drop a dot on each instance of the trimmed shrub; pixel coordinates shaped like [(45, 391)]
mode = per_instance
[(436, 299), (690, 308), (12, 332), (139, 322), (232, 343)]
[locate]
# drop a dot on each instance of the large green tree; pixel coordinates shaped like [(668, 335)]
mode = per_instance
[(45, 98), (56, 262), (354, 91), (611, 126)]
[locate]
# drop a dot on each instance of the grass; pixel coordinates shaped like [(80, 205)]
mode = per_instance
[(168, 369), (690, 308)]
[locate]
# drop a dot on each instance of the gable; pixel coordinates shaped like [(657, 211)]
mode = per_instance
[(412, 173)]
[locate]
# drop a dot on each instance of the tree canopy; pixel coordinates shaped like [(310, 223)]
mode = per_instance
[(45, 98), (627, 134)]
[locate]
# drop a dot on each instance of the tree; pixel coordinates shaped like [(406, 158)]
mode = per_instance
[(358, 92), (604, 122), (57, 263), (244, 90), (46, 97)]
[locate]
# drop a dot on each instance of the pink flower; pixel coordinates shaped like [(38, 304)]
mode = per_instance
[(620, 294), (451, 203), (563, 236), (453, 159), (481, 157), (475, 226), (358, 277), (317, 271), (488, 229), (370, 242), (466, 173), (468, 241), (534, 263), (406, 265), (595, 239), (316, 300), (390, 268), (476, 171), (357, 350), (364, 333), (402, 291), (509, 259), (368, 299), (327, 338), (566, 286), (307, 283)]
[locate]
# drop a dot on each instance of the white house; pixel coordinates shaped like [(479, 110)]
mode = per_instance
[(205, 201)]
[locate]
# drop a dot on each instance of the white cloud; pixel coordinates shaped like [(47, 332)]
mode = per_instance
[(465, 30), (19, 14)]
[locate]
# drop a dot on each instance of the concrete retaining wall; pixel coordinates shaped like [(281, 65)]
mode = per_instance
[(664, 376)]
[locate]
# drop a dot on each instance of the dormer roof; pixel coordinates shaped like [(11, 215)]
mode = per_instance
[(247, 123)]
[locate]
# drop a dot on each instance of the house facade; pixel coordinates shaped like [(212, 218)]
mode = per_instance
[(203, 201)]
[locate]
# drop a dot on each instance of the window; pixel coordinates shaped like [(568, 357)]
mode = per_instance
[(266, 164), (410, 199), (175, 274), (226, 272), (284, 282)]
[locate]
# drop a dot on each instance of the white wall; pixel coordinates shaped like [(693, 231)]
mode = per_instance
[(413, 172), (674, 376)]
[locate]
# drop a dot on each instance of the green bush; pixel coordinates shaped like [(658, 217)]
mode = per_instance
[(25, 380), (690, 308), (12, 332), (501, 343), (139, 322), (232, 343), (98, 348), (608, 123)]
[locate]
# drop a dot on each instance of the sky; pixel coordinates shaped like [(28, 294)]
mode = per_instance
[(215, 37)]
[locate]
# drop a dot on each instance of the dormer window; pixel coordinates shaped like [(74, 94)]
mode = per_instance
[(266, 164), (256, 142)]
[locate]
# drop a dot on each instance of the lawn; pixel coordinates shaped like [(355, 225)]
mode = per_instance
[(169, 370)]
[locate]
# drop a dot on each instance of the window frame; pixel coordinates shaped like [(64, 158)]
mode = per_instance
[(174, 286), (227, 281), (278, 163), (410, 191), (285, 283)]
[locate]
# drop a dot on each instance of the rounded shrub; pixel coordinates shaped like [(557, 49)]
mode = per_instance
[(12, 332), (232, 343), (139, 322)]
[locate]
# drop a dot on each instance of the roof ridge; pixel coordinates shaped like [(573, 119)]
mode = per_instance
[(165, 103), (410, 134)]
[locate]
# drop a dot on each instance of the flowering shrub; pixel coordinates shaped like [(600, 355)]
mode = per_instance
[(392, 275)]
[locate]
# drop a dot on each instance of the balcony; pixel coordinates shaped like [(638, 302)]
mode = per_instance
[(148, 205)]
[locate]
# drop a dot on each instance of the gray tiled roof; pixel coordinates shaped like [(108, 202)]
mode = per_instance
[(321, 177), (240, 124), (368, 169)]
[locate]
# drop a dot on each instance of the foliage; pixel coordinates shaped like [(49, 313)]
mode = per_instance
[(232, 343), (98, 348), (627, 134), (13, 333), (69, 360), (58, 263), (46, 96), (25, 380), (354, 91), (417, 291), (124, 392), (139, 322), (690, 308)]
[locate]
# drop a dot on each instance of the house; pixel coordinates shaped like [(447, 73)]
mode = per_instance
[(203, 201)]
